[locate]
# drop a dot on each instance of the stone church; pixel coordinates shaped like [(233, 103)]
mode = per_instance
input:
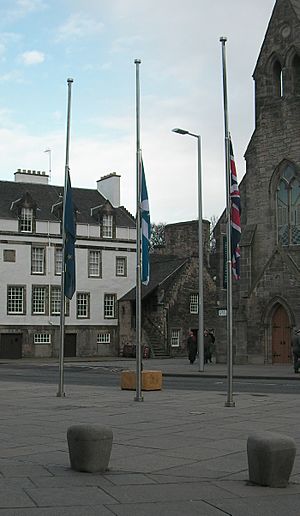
[(266, 301)]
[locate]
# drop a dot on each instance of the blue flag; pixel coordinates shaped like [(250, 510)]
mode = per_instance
[(146, 228), (70, 237)]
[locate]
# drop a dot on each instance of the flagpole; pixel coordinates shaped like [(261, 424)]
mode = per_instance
[(61, 392), (229, 402), (138, 395)]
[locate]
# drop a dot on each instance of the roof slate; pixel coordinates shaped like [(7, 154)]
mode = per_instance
[(162, 268), (47, 195)]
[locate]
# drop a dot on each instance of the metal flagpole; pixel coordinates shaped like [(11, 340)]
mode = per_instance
[(138, 395), (61, 392), (229, 402)]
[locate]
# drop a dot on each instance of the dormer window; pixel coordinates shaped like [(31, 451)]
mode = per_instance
[(107, 226), (26, 220)]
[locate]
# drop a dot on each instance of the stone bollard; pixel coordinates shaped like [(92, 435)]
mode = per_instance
[(89, 447), (270, 458)]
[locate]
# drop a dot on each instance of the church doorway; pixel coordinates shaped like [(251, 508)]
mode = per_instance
[(281, 337)]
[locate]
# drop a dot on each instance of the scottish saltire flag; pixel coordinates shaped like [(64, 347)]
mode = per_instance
[(70, 237), (146, 228), (235, 216)]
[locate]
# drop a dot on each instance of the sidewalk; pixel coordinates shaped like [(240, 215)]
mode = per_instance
[(177, 453), (182, 367)]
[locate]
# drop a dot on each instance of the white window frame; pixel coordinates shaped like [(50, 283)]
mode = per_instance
[(55, 301), (121, 270), (26, 220), (103, 338), (109, 306), (194, 303), (42, 338), (82, 305), (37, 260), (94, 263), (39, 300), (175, 338), (107, 226), (58, 260), (15, 300)]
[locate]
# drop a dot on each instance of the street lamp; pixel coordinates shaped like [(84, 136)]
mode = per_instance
[(49, 154), (200, 251)]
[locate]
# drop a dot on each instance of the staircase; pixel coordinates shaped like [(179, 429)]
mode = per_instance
[(157, 340)]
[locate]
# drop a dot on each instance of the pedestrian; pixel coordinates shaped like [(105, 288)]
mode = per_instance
[(209, 339), (296, 349), (191, 347)]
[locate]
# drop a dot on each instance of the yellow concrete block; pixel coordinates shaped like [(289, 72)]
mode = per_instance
[(151, 380)]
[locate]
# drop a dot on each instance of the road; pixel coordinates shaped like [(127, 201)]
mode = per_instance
[(108, 376)]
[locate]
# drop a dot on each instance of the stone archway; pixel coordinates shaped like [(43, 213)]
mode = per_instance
[(281, 336), (278, 321)]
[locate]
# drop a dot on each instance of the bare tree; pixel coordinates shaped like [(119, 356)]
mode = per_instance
[(212, 240), (157, 235)]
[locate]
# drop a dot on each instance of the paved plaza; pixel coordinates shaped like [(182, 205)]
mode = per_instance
[(177, 453)]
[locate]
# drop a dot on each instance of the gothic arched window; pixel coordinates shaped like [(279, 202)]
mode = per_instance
[(278, 80), (288, 207), (296, 75)]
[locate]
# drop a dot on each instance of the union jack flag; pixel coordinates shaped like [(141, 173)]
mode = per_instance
[(235, 216)]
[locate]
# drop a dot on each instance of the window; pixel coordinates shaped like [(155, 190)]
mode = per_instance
[(83, 305), (37, 260), (42, 338), (296, 74), (288, 207), (94, 265), (107, 226), (194, 303), (55, 302), (39, 297), (16, 300), (9, 255), (278, 79), (109, 306), (103, 338), (26, 220), (175, 335), (58, 260), (121, 266)]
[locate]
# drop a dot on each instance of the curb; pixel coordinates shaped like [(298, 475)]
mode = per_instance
[(235, 377)]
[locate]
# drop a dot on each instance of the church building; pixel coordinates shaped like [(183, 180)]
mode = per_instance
[(266, 300)]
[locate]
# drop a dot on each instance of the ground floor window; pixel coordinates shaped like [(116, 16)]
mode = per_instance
[(103, 338), (175, 338), (42, 338)]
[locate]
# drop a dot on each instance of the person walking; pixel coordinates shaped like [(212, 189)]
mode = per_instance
[(191, 347), (209, 339), (296, 349)]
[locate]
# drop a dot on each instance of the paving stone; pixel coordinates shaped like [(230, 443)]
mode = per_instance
[(189, 508), (78, 496)]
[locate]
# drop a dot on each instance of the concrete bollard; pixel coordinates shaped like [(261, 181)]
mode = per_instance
[(270, 458), (89, 447)]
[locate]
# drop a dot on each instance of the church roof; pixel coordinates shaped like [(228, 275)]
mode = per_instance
[(46, 196)]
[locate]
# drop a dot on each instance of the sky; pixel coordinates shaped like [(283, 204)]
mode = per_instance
[(95, 42)]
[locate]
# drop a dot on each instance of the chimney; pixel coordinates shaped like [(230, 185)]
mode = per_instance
[(109, 187), (31, 176)]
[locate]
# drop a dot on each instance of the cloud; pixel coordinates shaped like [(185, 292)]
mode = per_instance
[(78, 25), (14, 75), (20, 9), (32, 57)]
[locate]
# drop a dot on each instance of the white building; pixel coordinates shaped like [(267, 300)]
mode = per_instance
[(31, 260)]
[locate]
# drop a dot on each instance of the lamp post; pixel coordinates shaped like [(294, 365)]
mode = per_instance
[(200, 251), (49, 154)]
